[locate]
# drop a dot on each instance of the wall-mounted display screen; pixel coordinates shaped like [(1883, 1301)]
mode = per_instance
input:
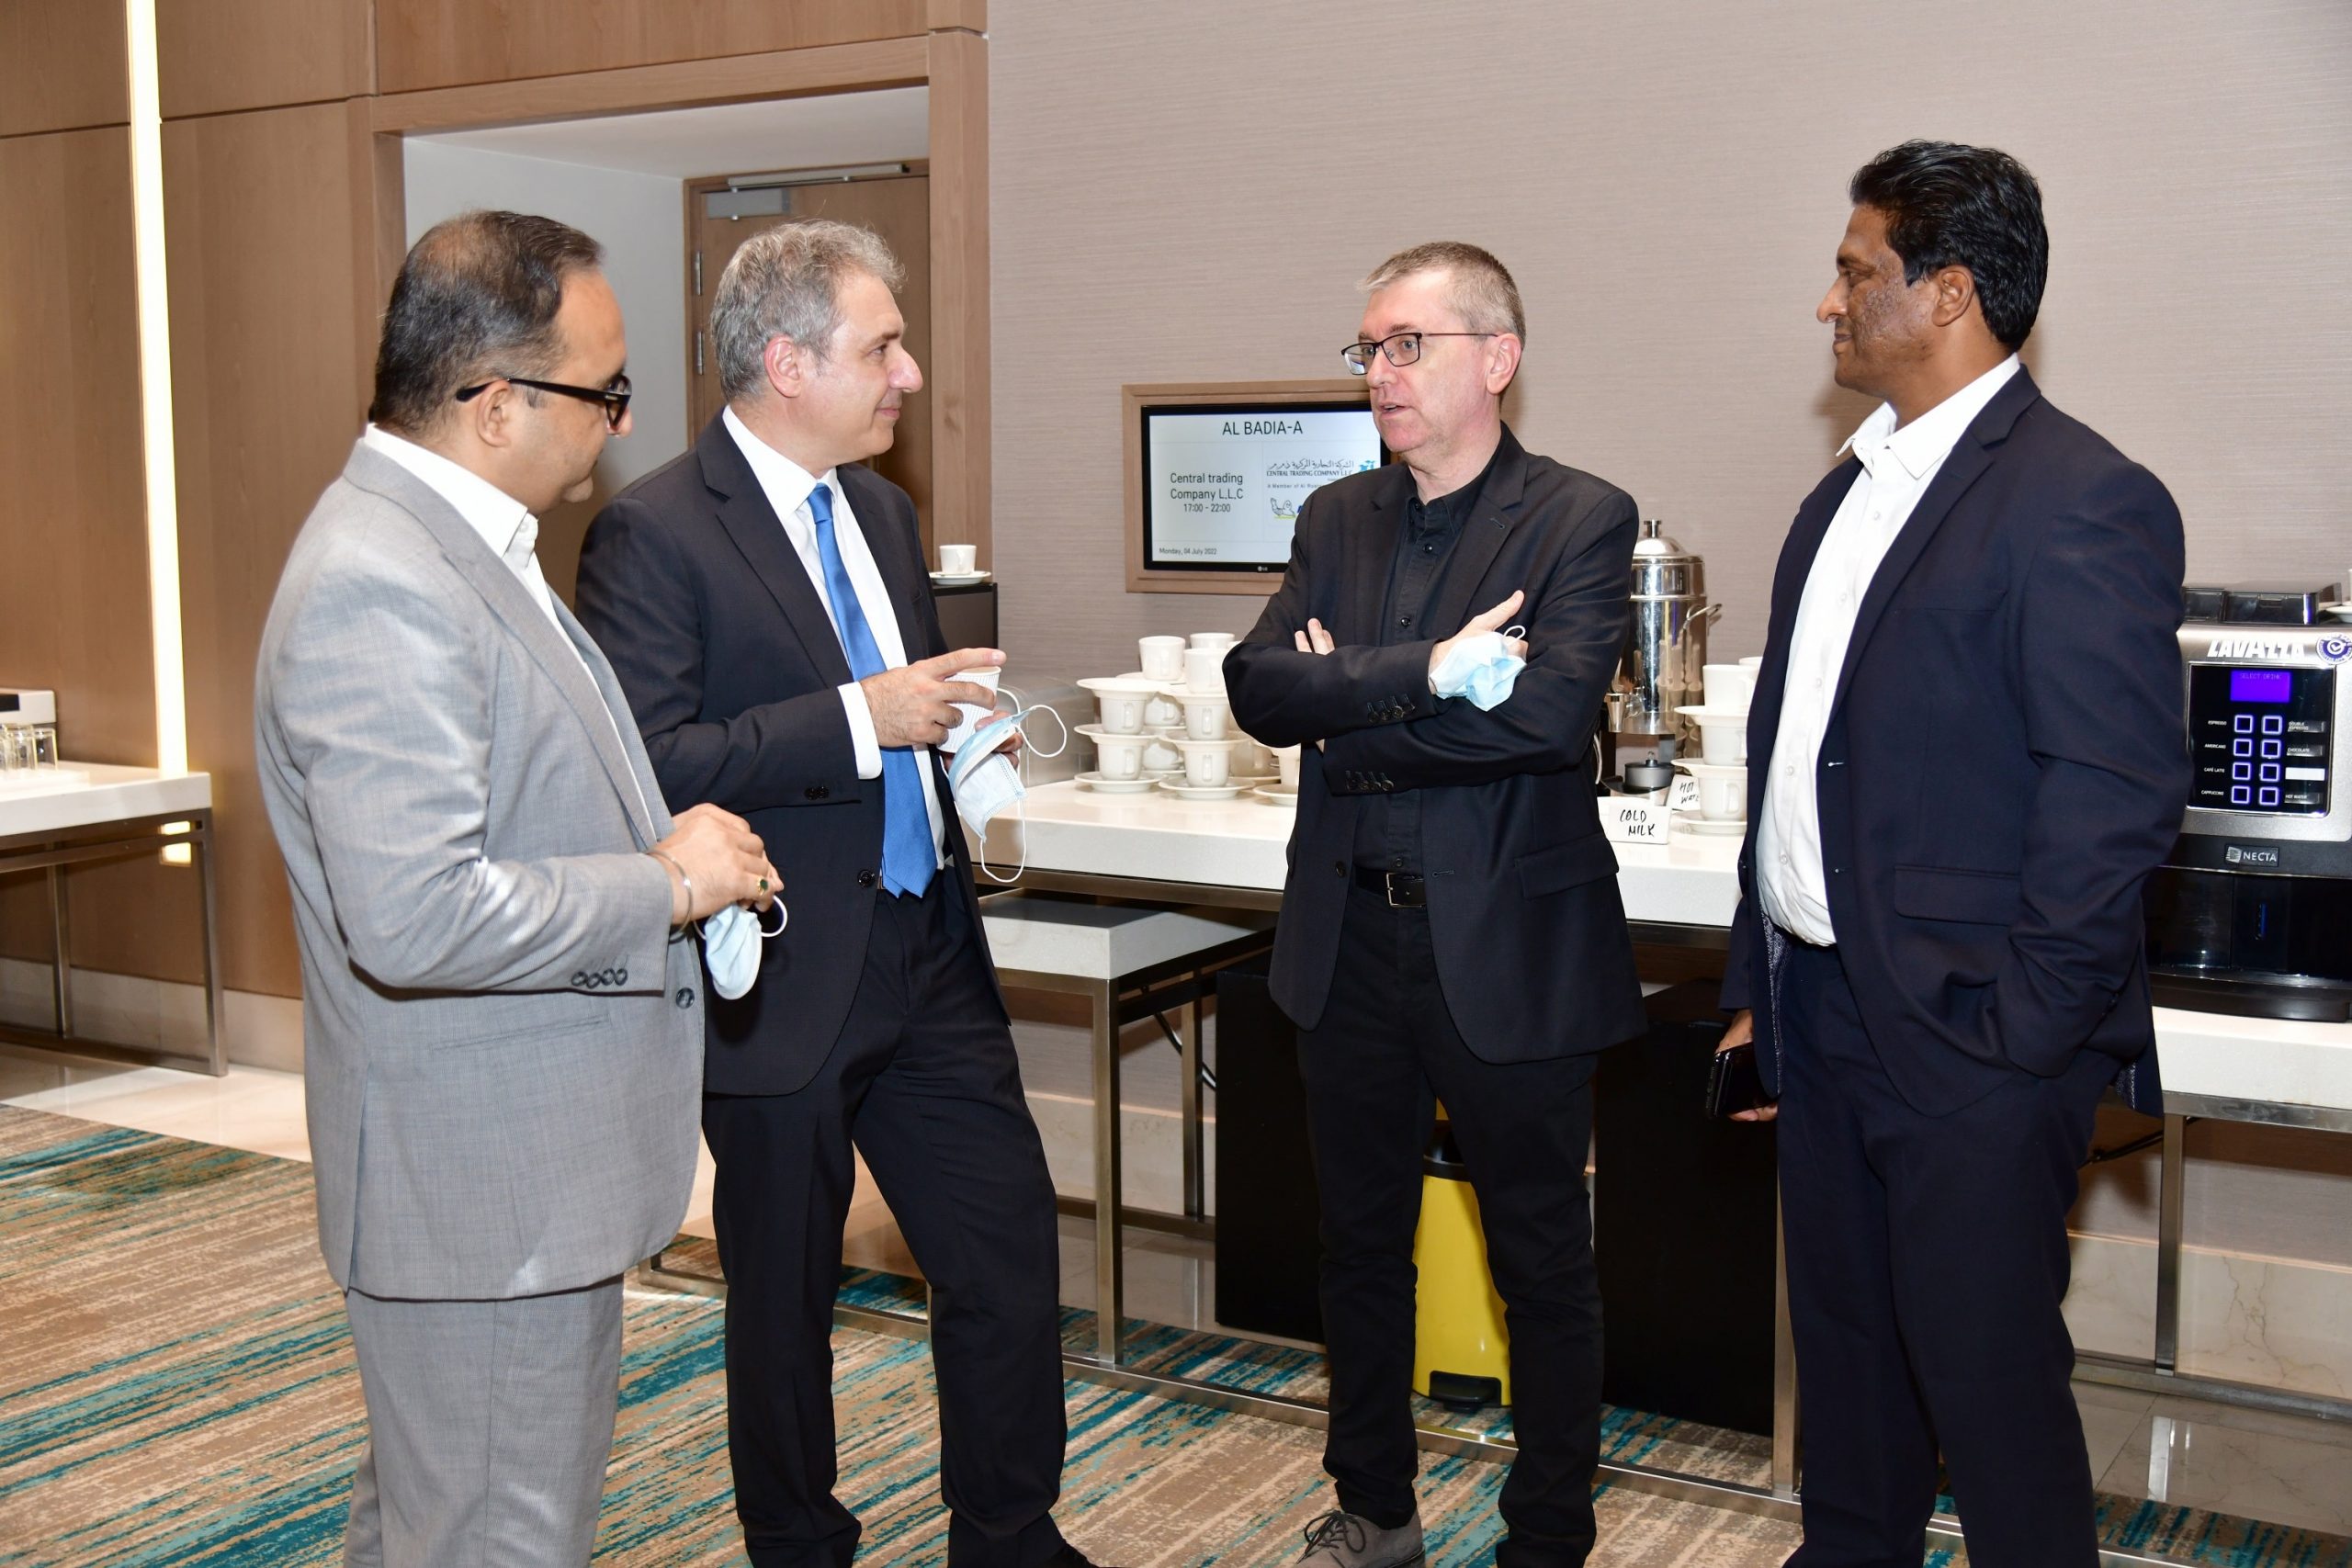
[(1222, 483)]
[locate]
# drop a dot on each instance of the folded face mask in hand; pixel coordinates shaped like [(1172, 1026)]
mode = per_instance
[(1481, 668), (730, 946), (985, 782)]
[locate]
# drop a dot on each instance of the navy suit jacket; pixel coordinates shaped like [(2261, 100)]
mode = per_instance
[(1533, 954), (689, 585), (2005, 762)]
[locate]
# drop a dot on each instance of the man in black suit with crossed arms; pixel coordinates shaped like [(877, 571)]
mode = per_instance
[(764, 603), (1965, 755), (1451, 929)]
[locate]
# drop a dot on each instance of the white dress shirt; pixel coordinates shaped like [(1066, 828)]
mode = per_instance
[(507, 526), (787, 486), (1897, 467)]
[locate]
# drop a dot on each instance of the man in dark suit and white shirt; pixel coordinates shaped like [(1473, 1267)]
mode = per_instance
[(1451, 929), (1966, 752), (765, 604)]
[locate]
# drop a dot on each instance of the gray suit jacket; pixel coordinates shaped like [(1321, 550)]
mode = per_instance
[(502, 1042)]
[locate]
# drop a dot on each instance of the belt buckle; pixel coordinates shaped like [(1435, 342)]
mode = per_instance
[(1388, 885)]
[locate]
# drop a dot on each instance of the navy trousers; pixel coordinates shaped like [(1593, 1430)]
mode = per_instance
[(1927, 1263)]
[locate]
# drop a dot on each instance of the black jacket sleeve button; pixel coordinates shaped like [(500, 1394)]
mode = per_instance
[(816, 792), (868, 879)]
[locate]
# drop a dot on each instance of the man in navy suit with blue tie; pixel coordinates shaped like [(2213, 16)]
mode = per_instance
[(1966, 754), (764, 604)]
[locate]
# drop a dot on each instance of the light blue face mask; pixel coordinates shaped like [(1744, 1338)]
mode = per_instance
[(985, 782), (1481, 668), (730, 946)]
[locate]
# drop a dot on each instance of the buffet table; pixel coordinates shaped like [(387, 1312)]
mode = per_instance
[(92, 812), (1151, 849)]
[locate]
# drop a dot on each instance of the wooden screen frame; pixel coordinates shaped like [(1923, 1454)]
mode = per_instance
[(1134, 399), (951, 62)]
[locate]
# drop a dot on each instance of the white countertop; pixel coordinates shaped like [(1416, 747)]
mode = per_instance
[(1687, 880), (110, 793)]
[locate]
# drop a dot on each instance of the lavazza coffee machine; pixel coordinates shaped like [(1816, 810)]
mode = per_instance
[(2252, 911)]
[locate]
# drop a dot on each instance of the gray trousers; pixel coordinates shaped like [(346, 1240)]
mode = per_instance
[(489, 1424)]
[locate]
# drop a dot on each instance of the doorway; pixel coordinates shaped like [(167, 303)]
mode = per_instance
[(894, 201)]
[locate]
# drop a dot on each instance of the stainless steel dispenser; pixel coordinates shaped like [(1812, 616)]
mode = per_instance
[(1665, 645)]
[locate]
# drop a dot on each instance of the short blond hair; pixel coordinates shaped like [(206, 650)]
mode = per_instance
[(1480, 287)]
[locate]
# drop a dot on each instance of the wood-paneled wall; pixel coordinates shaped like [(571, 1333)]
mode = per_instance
[(62, 66), (74, 513), (223, 55)]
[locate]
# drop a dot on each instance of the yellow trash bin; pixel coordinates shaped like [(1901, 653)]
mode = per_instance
[(1461, 1350)]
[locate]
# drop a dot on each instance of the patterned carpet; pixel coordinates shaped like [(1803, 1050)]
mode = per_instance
[(176, 1388)]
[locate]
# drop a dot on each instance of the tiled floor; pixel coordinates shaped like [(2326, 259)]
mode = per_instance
[(2289, 1469)]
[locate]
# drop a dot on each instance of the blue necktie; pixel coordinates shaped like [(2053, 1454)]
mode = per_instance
[(908, 857)]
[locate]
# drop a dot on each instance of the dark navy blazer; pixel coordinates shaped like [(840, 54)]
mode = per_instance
[(2004, 765), (690, 585)]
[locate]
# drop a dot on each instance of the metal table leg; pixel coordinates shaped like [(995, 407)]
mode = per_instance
[(62, 980), (1110, 1295), (2173, 1172), (214, 1046), (1189, 1129)]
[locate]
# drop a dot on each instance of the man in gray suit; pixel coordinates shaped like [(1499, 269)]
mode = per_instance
[(502, 1039)]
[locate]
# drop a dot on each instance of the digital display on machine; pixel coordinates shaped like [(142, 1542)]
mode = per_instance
[(1222, 484), (2261, 739), (2262, 685)]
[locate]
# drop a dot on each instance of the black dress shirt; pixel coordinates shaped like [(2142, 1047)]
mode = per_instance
[(1388, 829)]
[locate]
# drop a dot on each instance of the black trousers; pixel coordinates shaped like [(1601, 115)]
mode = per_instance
[(924, 1081), (1926, 1262), (1386, 1048)]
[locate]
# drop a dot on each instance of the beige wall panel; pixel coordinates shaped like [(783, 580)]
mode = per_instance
[(1189, 193), (445, 43), (62, 65), (270, 387), (73, 522), (218, 55)]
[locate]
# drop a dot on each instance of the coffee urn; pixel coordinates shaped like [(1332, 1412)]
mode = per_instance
[(1666, 643)]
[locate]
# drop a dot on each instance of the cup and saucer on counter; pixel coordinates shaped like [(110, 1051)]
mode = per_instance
[(1208, 770), (1721, 767), (1284, 790), (959, 566)]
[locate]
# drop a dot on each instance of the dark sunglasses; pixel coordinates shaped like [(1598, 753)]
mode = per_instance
[(615, 397)]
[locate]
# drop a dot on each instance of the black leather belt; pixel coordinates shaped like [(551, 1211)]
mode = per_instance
[(1403, 889)]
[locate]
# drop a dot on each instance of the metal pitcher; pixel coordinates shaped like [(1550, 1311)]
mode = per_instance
[(1665, 645)]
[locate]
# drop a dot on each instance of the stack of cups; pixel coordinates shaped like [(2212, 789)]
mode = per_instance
[(1722, 720)]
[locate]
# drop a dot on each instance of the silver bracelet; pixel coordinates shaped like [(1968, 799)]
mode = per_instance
[(688, 882)]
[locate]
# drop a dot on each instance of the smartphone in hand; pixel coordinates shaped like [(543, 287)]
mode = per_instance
[(1734, 1084)]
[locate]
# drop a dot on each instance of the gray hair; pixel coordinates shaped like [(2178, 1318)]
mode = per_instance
[(786, 282), (1480, 287)]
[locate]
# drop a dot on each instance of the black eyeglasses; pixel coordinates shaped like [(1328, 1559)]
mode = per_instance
[(615, 397), (1402, 349)]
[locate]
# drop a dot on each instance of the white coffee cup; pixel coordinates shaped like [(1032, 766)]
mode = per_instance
[(1160, 753), (1160, 711), (1753, 662), (1722, 790), (1729, 686), (1286, 759), (959, 560), (1213, 639), (1163, 657), (1119, 756), (1205, 668), (1208, 763), (1205, 716)]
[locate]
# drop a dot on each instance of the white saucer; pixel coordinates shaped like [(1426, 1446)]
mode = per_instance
[(960, 579), (1097, 783), (1200, 792), (2341, 612), (1691, 822), (1278, 794)]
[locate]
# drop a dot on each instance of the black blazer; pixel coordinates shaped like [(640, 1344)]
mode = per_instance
[(1532, 950), (2004, 765), (690, 585)]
